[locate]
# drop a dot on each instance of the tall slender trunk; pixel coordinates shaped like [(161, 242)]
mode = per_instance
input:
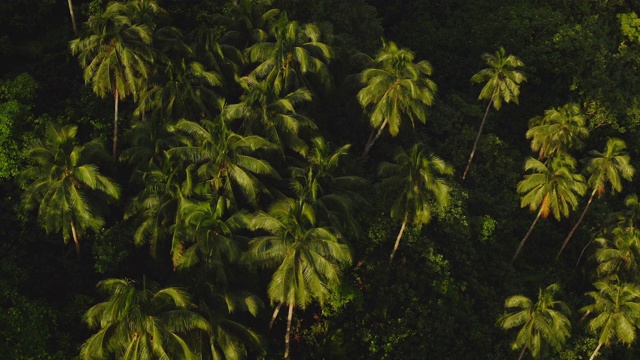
[(275, 315), (566, 241), (288, 335), (75, 236), (526, 236), (73, 18), (372, 141), (475, 143), (115, 126), (395, 247), (522, 352), (596, 352)]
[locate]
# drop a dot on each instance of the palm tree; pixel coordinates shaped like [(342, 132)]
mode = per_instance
[(316, 181), (621, 254), (503, 80), (147, 323), (629, 218), (295, 53), (247, 22), (181, 86), (212, 247), (559, 130), (212, 237), (115, 56), (62, 180), (229, 339), (414, 182), (308, 257), (617, 311), (610, 166), (541, 323), (554, 187), (225, 160), (273, 116), (395, 86)]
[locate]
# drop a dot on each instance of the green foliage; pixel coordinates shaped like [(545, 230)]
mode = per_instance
[(543, 323), (16, 121), (58, 180), (141, 323), (395, 86), (232, 114), (28, 325), (630, 26)]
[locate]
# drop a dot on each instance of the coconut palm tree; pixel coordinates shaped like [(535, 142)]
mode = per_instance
[(503, 80), (157, 208), (558, 131), (415, 183), (629, 218), (225, 160), (307, 256), (62, 181), (275, 117), (317, 182), (147, 323), (620, 255), (607, 167), (295, 53), (212, 247), (553, 188), (617, 311), (180, 86), (115, 56), (541, 323), (210, 237), (247, 22), (395, 86)]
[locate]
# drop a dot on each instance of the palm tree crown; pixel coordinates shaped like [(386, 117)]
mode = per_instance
[(395, 86), (147, 323), (617, 311), (296, 53), (553, 188), (558, 131), (415, 182), (541, 323), (59, 182)]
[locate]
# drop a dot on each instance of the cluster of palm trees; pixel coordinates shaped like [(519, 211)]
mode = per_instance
[(227, 170), (555, 186), (615, 305)]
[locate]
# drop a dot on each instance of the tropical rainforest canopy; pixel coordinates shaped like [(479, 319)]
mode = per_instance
[(327, 179)]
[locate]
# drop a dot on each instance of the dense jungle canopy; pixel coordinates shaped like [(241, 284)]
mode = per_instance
[(327, 179)]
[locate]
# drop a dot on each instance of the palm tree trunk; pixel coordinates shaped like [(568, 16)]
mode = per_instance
[(475, 144), (526, 236), (566, 241), (115, 127), (288, 335), (75, 236), (522, 352), (73, 18), (395, 247), (372, 141), (275, 315), (595, 352)]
